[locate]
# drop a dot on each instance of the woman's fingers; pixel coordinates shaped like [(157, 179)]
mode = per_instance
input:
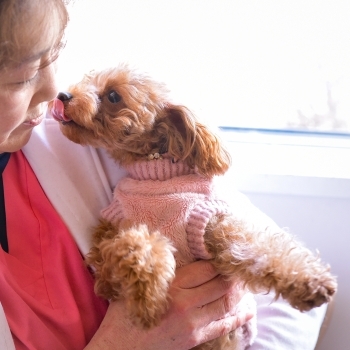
[(194, 274), (202, 308), (222, 327), (223, 306), (211, 299), (237, 315), (200, 284)]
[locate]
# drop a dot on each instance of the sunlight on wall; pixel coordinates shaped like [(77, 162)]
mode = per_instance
[(271, 64)]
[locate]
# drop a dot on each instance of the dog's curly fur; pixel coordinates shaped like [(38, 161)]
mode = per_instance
[(130, 115)]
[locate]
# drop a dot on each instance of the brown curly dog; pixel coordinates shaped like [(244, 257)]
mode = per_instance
[(166, 213)]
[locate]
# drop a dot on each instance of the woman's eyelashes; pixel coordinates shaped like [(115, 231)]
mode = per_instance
[(28, 81)]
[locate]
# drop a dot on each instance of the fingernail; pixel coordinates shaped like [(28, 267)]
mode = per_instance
[(249, 316), (244, 317)]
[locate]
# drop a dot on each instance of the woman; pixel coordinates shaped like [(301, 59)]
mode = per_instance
[(52, 193)]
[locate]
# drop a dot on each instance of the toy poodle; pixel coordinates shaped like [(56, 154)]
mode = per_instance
[(165, 213)]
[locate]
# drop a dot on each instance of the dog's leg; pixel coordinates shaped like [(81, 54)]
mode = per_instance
[(137, 265), (269, 260)]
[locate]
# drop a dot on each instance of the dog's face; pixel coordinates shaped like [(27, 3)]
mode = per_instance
[(130, 115), (111, 109)]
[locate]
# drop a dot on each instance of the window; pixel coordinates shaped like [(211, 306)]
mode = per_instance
[(271, 64)]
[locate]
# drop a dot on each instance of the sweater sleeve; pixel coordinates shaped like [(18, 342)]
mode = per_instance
[(197, 222)]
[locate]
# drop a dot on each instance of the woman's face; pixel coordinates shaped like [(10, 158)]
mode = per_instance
[(28, 81), (24, 91)]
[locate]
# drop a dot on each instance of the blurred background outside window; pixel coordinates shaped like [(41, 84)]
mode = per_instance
[(246, 64)]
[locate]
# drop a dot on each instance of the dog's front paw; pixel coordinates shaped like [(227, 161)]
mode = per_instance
[(148, 267), (315, 292)]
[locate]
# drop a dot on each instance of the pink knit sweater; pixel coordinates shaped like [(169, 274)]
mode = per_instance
[(171, 198)]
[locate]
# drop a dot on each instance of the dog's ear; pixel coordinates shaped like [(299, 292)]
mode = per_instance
[(195, 144)]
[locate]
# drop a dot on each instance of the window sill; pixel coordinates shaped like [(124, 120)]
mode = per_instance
[(289, 163)]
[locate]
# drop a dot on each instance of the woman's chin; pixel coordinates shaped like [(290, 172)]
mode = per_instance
[(15, 142)]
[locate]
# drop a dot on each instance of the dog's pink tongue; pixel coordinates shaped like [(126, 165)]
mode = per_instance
[(56, 109)]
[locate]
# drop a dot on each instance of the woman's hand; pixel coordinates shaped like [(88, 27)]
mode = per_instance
[(202, 308)]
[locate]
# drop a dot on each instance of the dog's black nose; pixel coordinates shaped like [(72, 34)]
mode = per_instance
[(64, 96)]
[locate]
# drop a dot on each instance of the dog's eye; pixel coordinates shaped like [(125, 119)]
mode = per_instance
[(113, 97)]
